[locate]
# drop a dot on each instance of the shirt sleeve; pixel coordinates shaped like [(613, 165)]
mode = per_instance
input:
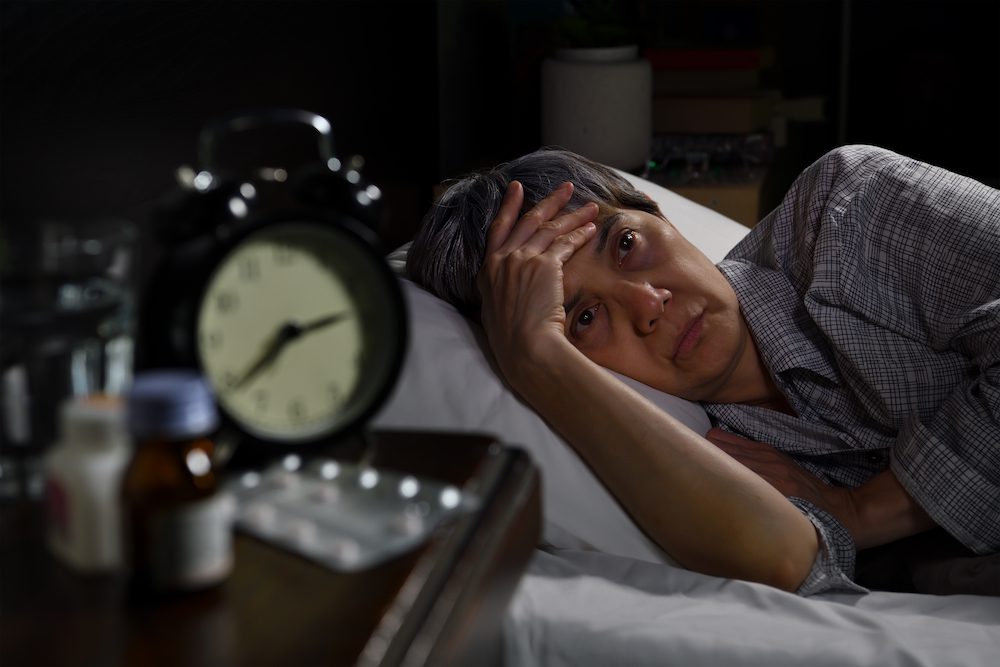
[(950, 462), (898, 264), (918, 259), (833, 569), (945, 289)]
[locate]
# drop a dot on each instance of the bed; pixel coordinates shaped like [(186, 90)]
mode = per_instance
[(598, 591)]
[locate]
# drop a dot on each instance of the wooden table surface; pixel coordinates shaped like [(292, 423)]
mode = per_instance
[(279, 608)]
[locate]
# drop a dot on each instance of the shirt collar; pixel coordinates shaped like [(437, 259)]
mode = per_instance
[(786, 336)]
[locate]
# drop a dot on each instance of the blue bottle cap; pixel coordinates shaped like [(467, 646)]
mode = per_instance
[(171, 404)]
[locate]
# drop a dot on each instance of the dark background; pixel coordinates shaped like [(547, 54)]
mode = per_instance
[(102, 100)]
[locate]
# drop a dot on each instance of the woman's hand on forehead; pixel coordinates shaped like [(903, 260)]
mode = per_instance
[(539, 226), (521, 280)]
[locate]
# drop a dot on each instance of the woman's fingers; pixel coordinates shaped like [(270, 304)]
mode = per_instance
[(719, 436), (546, 232), (563, 246), (534, 232), (501, 225), (576, 230), (540, 214), (742, 449), (507, 232)]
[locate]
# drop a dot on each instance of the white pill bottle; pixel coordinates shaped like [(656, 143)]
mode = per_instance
[(83, 473)]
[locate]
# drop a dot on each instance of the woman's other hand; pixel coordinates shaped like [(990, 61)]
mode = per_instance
[(521, 280), (788, 477), (877, 512)]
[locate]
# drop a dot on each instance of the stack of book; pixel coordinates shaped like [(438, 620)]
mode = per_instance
[(712, 125)]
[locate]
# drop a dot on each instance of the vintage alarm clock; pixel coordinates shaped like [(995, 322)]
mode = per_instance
[(273, 284)]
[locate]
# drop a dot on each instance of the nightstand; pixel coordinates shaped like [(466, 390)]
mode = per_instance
[(442, 603)]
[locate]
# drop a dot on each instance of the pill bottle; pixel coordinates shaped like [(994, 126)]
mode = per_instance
[(83, 471), (178, 518)]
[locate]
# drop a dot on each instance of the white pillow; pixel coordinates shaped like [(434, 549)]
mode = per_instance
[(713, 233), (448, 384)]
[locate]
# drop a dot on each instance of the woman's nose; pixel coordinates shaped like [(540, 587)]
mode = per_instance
[(644, 304)]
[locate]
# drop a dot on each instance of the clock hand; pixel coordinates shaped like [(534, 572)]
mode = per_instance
[(322, 322), (286, 334)]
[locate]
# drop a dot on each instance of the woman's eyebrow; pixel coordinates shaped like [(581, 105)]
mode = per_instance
[(573, 300), (606, 225)]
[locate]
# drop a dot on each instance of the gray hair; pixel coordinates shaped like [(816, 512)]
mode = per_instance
[(450, 246)]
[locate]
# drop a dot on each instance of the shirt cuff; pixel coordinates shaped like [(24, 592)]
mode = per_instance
[(833, 568)]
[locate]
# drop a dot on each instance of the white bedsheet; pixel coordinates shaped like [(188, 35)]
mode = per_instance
[(591, 608)]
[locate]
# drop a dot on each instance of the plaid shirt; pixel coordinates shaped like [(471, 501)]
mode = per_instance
[(873, 294)]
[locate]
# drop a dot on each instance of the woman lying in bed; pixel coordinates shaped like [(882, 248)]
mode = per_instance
[(847, 351)]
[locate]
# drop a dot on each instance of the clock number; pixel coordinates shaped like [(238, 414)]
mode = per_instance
[(260, 398), (283, 254), (249, 269), (296, 410), (229, 379), (212, 340), (227, 302), (335, 393)]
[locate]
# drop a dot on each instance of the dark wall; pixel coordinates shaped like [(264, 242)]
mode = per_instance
[(925, 80), (102, 100)]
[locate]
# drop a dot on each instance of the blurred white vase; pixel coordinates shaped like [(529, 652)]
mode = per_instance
[(598, 103)]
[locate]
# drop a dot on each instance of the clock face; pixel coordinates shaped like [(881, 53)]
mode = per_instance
[(300, 331)]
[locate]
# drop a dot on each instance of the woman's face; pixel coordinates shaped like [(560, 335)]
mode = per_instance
[(643, 301)]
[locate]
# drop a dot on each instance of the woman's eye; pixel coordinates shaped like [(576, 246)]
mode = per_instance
[(584, 320), (625, 243)]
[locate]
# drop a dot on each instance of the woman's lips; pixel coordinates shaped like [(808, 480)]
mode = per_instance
[(689, 337)]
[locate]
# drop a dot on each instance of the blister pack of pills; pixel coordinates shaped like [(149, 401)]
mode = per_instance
[(344, 516)]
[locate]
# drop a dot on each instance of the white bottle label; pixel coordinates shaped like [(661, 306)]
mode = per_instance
[(191, 546)]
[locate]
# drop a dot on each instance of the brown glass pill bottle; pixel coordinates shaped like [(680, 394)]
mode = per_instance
[(177, 518)]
